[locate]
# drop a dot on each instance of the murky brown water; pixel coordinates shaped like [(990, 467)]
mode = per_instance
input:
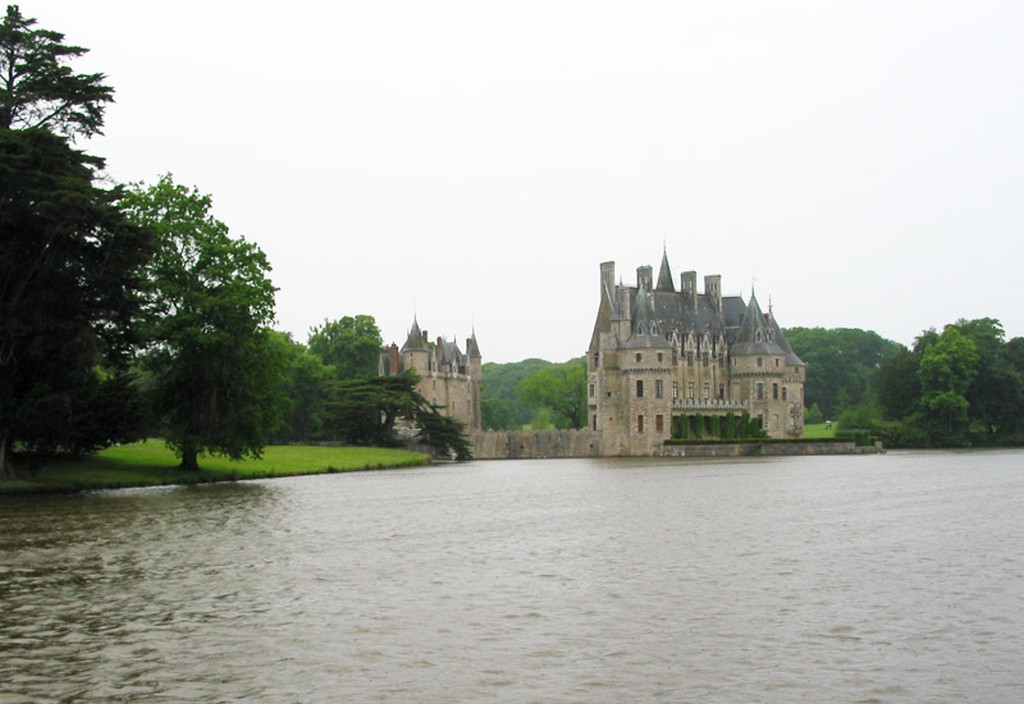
[(897, 578)]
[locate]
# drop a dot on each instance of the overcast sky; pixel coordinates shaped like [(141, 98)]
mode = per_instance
[(473, 163)]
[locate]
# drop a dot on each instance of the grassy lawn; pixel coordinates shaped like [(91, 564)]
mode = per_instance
[(152, 464), (818, 430)]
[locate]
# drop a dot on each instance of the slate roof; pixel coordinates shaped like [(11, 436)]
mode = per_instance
[(415, 339)]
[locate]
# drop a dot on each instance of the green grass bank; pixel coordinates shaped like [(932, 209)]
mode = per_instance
[(152, 464)]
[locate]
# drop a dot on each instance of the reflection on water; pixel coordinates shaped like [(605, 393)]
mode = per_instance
[(888, 578)]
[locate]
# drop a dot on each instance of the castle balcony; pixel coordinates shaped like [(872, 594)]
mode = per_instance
[(707, 405)]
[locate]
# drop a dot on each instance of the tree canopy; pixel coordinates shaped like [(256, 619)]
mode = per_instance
[(351, 345), (501, 405), (563, 389), (71, 268), (215, 370), (960, 387), (840, 365), (38, 89)]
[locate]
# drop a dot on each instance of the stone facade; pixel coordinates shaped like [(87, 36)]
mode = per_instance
[(658, 352), (449, 378)]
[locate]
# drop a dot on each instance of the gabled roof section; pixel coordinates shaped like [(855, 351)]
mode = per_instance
[(665, 275)]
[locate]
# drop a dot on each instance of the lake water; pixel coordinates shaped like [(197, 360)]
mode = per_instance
[(892, 578)]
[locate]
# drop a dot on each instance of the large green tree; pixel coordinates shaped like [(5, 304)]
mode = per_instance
[(38, 88), (69, 273), (996, 392), (304, 384), (946, 371), (563, 389), (350, 345), (501, 405), (366, 410), (215, 370), (840, 365)]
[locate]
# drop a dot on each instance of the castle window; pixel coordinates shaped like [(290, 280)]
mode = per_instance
[(776, 362), (639, 424), (659, 423), (639, 388), (707, 391), (675, 358), (639, 357), (705, 361), (689, 389), (757, 336), (689, 359), (592, 389), (784, 394), (597, 358), (759, 392), (760, 362), (659, 388), (675, 389), (594, 422), (661, 357), (775, 392), (721, 392)]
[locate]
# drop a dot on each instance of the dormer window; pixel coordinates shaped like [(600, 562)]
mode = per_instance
[(757, 337)]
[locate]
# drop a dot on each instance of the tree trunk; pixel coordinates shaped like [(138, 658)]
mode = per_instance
[(6, 468), (190, 459)]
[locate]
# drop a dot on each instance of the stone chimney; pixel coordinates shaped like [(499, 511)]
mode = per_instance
[(607, 281), (644, 277), (393, 359), (688, 287), (713, 289)]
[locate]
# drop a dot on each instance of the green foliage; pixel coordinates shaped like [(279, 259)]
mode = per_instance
[(813, 415), (563, 389), (964, 386), (303, 383), (37, 89), (863, 416), (501, 406), (351, 346), (70, 268), (840, 364), (729, 426), (364, 411), (445, 434), (946, 370), (896, 386), (215, 368)]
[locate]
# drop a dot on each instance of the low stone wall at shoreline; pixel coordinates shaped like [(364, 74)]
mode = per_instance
[(544, 444), (769, 449), (535, 444)]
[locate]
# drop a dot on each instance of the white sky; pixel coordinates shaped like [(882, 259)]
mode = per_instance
[(474, 162)]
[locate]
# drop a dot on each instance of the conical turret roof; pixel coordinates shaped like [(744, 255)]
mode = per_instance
[(665, 282), (415, 339), (756, 336)]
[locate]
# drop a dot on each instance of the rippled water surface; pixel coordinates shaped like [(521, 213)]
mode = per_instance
[(896, 578)]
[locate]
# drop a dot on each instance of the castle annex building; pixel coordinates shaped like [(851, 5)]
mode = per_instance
[(449, 378), (659, 352)]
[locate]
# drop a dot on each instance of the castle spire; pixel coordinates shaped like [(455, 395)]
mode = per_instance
[(665, 282)]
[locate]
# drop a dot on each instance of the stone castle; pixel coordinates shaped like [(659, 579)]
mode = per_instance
[(658, 353), (449, 378)]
